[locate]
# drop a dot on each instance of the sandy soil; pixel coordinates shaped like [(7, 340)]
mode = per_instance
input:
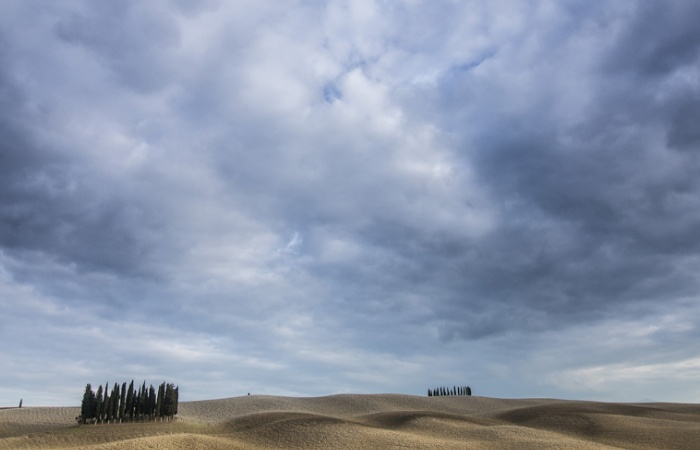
[(386, 421)]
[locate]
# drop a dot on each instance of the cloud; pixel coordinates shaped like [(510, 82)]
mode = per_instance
[(349, 196)]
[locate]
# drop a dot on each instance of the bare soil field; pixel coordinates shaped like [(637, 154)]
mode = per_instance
[(355, 421)]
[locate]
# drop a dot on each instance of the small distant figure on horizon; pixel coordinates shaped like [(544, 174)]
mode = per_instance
[(248, 393), (20, 402)]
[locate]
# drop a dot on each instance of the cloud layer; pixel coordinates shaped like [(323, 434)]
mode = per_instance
[(350, 196)]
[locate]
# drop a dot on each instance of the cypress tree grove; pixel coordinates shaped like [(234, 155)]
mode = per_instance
[(455, 390), (125, 403)]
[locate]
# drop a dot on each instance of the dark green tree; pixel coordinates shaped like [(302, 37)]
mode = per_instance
[(176, 399), (144, 399), (159, 401), (122, 403), (167, 401), (130, 401), (152, 402), (105, 404), (99, 400), (85, 405), (170, 401), (116, 394), (138, 404)]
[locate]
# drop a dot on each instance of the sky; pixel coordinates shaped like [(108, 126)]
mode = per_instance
[(312, 197)]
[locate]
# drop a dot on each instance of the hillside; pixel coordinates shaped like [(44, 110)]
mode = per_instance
[(370, 421)]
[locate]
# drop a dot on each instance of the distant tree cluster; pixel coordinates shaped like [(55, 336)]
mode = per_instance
[(124, 404), (456, 390)]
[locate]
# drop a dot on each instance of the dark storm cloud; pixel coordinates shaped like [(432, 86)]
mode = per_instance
[(661, 37), (683, 133), (51, 201), (594, 214), (131, 38)]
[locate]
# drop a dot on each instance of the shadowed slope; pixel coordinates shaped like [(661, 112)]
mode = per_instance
[(637, 425)]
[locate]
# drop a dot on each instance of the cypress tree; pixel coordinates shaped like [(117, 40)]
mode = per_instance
[(144, 399), (122, 403), (176, 399), (110, 406), (105, 403), (109, 409), (98, 404), (169, 401), (116, 394), (85, 405), (93, 405), (469, 390), (144, 408), (137, 397), (159, 400), (151, 403), (138, 404), (130, 401)]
